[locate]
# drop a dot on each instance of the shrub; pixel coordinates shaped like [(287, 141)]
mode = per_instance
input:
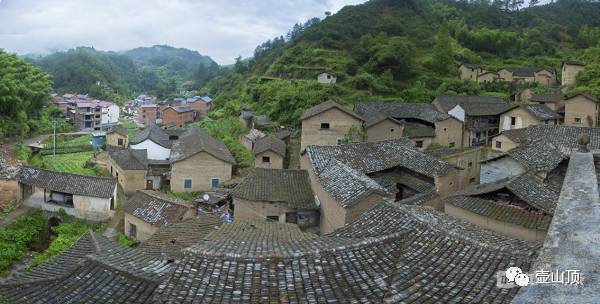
[(16, 237), (125, 240)]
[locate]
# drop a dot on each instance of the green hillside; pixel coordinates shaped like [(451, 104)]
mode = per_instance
[(109, 75), (409, 50)]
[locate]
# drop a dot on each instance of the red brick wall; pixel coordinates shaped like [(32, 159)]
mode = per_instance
[(171, 116)]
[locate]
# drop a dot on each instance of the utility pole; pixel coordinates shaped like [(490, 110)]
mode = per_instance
[(54, 140)]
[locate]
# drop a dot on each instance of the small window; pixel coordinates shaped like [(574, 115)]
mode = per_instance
[(324, 125), (451, 145), (419, 144), (187, 184), (498, 145), (391, 130), (132, 231), (470, 164), (274, 218), (120, 141), (472, 180), (513, 121), (546, 121), (214, 182), (577, 120), (117, 174), (266, 159)]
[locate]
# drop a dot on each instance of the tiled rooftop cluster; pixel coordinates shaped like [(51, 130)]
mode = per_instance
[(392, 253), (474, 105), (373, 112)]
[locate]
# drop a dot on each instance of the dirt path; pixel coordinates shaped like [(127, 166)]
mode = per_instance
[(19, 211), (43, 137)]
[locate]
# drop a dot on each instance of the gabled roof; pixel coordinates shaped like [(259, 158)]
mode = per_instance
[(154, 133), (539, 111), (472, 65), (474, 105), (322, 107), (527, 187), (195, 140), (119, 129), (586, 95), (129, 159), (283, 134), (416, 130), (181, 109), (254, 135), (291, 187), (516, 135), (370, 157), (573, 62), (372, 111), (525, 71), (103, 187), (156, 208), (502, 212), (347, 185), (548, 97), (269, 143)]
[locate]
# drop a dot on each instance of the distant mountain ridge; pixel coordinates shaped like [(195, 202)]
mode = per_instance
[(159, 70)]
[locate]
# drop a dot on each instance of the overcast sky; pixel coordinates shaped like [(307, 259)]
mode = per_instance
[(222, 29)]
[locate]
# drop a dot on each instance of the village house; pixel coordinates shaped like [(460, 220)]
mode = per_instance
[(85, 197), (117, 136), (88, 114), (199, 162), (469, 71), (524, 115), (248, 140), (480, 115), (327, 123), (148, 114), (521, 207), (543, 76), (327, 78), (507, 140), (466, 160), (350, 179), (581, 110), (178, 116), (202, 105), (554, 100), (421, 122), (285, 135), (156, 141), (569, 70), (276, 195), (246, 118), (146, 212), (135, 171), (269, 153)]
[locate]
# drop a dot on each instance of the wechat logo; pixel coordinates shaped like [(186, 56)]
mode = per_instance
[(515, 275)]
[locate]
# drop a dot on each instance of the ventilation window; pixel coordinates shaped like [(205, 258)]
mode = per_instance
[(325, 125)]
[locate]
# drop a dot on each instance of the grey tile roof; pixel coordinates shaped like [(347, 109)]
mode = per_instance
[(156, 208), (102, 187), (182, 109), (283, 134), (516, 135), (370, 157), (525, 71), (170, 241), (586, 95), (473, 66), (541, 112), (258, 231), (502, 212), (474, 105), (194, 141), (422, 111), (573, 62), (548, 97), (416, 130), (129, 159), (392, 253), (119, 129), (346, 185), (269, 143), (322, 107), (291, 187), (527, 187), (155, 134)]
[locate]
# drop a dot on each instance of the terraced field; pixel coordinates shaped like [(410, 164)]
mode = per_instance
[(71, 163)]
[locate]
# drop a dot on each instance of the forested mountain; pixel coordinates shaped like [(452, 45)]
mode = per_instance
[(409, 50), (118, 76)]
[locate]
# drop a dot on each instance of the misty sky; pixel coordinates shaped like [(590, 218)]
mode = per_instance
[(222, 29)]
